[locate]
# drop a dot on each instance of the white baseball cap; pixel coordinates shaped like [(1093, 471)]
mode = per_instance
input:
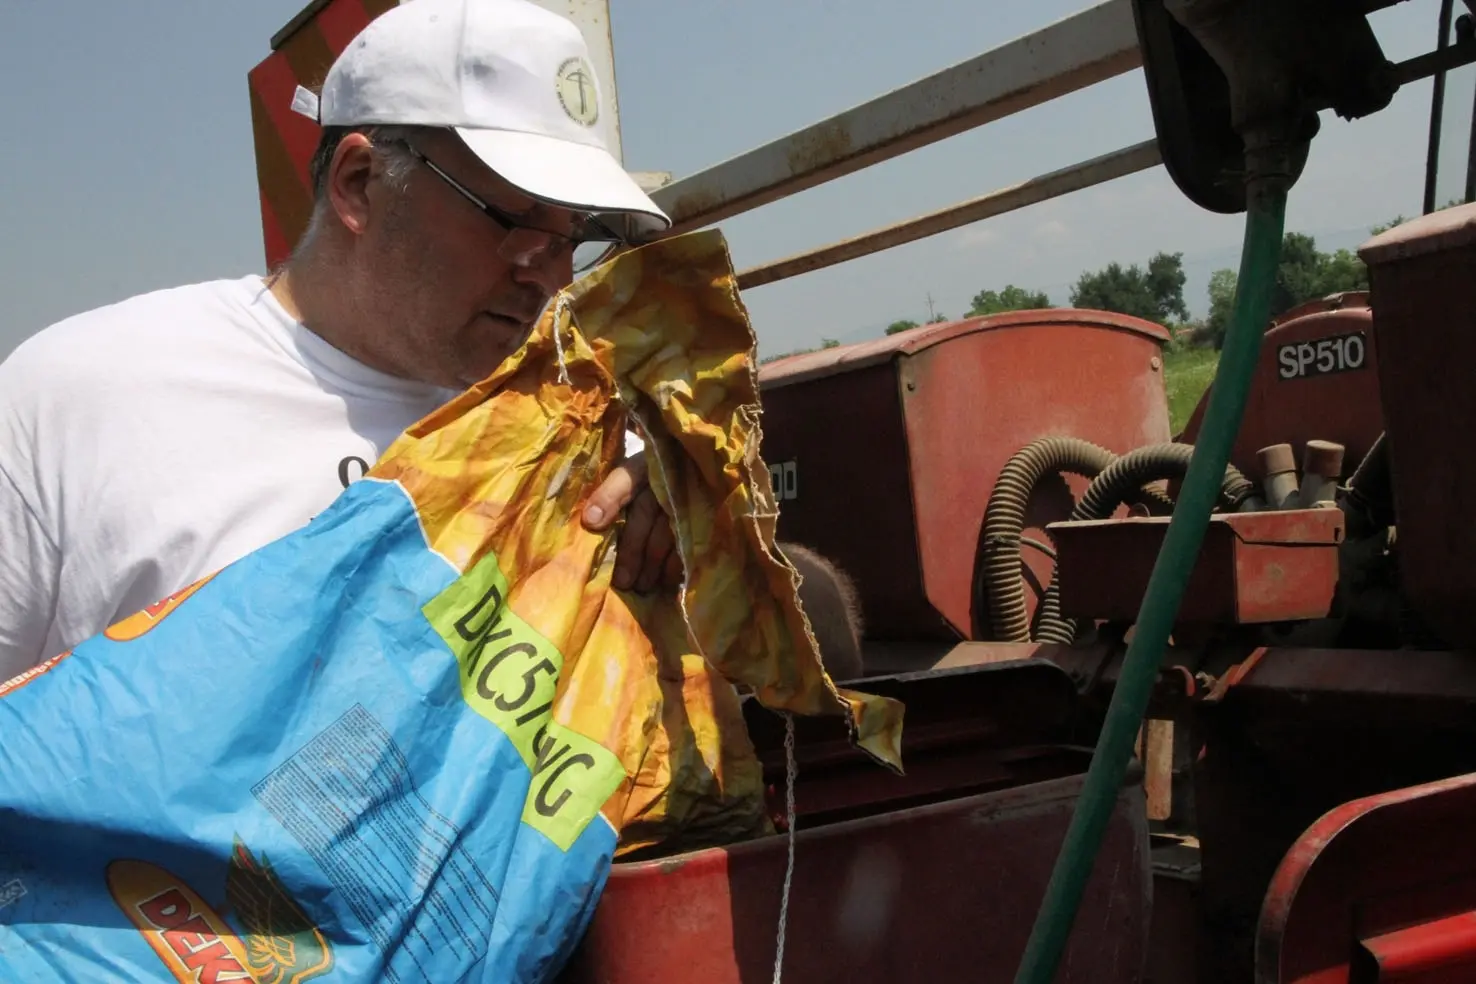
[(512, 79)]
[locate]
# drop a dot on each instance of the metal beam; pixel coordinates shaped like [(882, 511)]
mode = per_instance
[(1073, 53), (1098, 170), (1458, 55)]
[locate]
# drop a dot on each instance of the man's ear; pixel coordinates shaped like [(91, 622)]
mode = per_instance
[(348, 181)]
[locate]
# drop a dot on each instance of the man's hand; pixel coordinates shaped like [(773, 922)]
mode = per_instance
[(646, 554)]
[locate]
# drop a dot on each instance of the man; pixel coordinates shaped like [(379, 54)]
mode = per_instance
[(146, 444)]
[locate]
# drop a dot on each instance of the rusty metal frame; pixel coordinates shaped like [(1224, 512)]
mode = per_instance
[(1073, 53), (1098, 170)]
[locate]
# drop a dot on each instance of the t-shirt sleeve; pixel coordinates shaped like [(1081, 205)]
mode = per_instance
[(30, 568)]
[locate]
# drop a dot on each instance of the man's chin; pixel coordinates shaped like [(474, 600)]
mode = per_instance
[(494, 338)]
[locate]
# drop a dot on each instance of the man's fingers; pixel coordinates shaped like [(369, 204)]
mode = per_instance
[(630, 552), (658, 547), (614, 494), (671, 575), (644, 556)]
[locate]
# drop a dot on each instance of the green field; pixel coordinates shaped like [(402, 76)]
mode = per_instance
[(1187, 373)]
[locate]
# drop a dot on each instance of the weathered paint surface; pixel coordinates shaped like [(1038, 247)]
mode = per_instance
[(905, 436), (1380, 889)]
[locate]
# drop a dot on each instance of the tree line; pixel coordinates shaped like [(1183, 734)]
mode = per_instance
[(1155, 291)]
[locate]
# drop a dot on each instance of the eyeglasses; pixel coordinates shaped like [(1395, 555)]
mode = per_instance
[(591, 242)]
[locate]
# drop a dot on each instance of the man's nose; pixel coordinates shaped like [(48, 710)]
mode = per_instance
[(548, 267)]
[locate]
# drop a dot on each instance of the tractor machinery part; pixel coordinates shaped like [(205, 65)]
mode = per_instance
[(1279, 469), (992, 773), (1281, 62), (999, 539), (1370, 497), (1321, 469), (999, 585), (1123, 721), (885, 452), (1254, 568), (1420, 285), (1317, 379), (1109, 490)]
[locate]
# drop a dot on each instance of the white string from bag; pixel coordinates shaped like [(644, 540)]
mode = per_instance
[(790, 771), (561, 306)]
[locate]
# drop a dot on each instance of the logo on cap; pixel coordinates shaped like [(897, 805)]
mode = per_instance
[(577, 93)]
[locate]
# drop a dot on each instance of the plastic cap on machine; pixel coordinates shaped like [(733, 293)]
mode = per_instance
[(512, 79)]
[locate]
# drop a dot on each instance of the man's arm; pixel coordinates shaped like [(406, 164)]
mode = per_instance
[(30, 570)]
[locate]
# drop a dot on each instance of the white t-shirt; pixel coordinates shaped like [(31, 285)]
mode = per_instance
[(149, 443)]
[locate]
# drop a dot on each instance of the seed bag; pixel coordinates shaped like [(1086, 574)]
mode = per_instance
[(405, 742)]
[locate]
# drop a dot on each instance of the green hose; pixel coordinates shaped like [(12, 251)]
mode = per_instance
[(1259, 258)]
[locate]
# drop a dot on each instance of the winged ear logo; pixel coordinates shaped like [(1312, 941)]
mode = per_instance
[(282, 944)]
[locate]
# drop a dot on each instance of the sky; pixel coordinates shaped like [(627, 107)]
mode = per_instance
[(129, 162)]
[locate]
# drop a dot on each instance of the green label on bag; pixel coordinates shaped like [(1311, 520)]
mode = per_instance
[(509, 675)]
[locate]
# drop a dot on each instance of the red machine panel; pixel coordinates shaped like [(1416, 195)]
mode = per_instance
[(302, 53), (1317, 379), (1420, 278), (1253, 567), (888, 450), (888, 867), (944, 892), (1381, 889)]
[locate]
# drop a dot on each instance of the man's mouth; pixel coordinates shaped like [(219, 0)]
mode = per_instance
[(509, 320)]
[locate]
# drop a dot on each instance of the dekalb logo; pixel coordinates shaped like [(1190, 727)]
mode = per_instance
[(191, 938), (278, 943), (138, 623)]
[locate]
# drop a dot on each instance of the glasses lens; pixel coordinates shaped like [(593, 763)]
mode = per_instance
[(589, 255)]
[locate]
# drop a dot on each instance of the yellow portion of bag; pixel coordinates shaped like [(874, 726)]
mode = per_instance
[(622, 703)]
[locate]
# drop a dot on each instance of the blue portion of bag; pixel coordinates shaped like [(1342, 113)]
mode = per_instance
[(281, 773)]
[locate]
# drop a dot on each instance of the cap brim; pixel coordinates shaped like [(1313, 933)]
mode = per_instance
[(573, 175)]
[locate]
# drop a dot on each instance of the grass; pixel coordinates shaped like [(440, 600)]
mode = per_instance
[(1187, 373)]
